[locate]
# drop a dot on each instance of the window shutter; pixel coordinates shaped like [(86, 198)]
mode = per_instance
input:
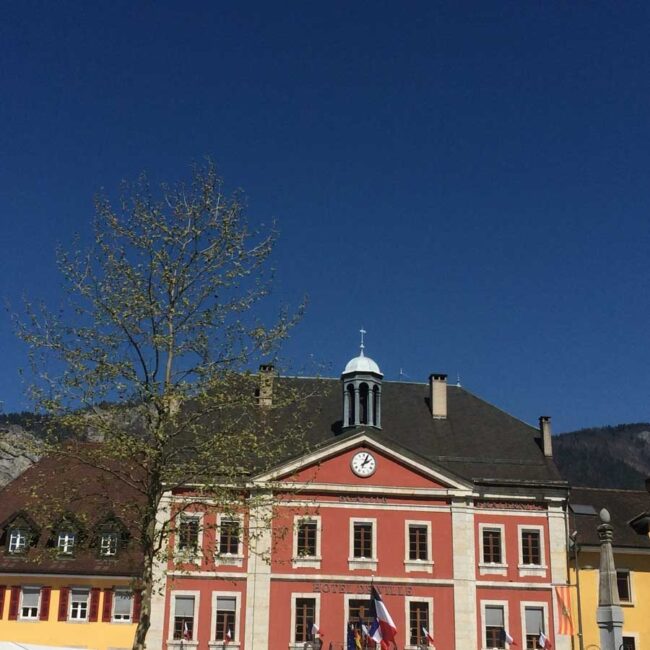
[(94, 605), (137, 605), (3, 589), (64, 594), (13, 603), (108, 606), (44, 614)]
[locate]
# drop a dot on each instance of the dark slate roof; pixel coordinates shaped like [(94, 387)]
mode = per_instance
[(477, 441), (623, 506), (57, 487)]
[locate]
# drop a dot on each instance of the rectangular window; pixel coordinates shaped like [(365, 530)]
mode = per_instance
[(79, 604), (17, 541), (534, 617), (122, 605), (225, 616), (362, 539), (359, 612), (494, 626), (629, 643), (30, 600), (492, 546), (229, 536), (306, 543), (188, 534), (531, 552), (623, 582), (65, 542), (418, 619), (418, 542), (108, 544), (184, 617), (305, 618)]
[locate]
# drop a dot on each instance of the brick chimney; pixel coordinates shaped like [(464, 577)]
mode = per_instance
[(267, 373), (545, 428), (438, 395)]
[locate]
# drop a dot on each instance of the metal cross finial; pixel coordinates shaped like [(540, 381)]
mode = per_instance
[(362, 331)]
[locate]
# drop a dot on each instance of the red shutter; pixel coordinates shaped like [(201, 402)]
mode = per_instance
[(64, 594), (94, 605), (137, 605), (44, 614), (13, 603), (3, 589), (107, 610)]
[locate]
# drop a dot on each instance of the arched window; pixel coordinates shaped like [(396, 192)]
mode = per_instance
[(375, 405), (363, 403), (351, 413)]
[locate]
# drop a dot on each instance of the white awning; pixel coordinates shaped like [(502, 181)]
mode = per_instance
[(12, 645)]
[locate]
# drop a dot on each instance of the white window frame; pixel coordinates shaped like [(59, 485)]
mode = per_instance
[(102, 536), (631, 601), (506, 619), (531, 569), (417, 565), (346, 603), (407, 618), (66, 536), (36, 617), (299, 645), (218, 643), (359, 562), (306, 561), (229, 559), (635, 636), (523, 605), (121, 590), (21, 535), (175, 644), (70, 608), (183, 555), (493, 568)]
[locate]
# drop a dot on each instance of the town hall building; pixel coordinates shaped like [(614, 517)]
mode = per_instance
[(450, 507)]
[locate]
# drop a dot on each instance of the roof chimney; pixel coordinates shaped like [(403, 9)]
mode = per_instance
[(438, 395), (545, 428), (267, 373)]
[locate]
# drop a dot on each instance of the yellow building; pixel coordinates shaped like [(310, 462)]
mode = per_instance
[(629, 513), (68, 561)]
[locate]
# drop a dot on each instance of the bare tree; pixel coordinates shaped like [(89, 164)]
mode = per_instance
[(153, 352)]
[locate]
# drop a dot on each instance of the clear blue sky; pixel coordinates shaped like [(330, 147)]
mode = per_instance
[(467, 181)]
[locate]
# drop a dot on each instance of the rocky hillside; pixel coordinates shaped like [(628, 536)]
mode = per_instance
[(18, 445), (608, 457)]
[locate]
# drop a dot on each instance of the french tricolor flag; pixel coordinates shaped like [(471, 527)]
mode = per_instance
[(386, 625), (428, 637)]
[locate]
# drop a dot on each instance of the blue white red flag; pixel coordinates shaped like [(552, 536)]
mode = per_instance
[(386, 625)]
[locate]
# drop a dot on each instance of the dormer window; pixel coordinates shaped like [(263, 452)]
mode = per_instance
[(18, 541), (108, 544), (66, 542)]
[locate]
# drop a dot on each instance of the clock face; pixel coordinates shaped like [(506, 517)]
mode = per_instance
[(363, 464)]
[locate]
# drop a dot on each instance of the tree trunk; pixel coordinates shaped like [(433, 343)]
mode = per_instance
[(146, 590)]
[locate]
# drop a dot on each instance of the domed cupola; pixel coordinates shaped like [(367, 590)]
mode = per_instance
[(362, 391)]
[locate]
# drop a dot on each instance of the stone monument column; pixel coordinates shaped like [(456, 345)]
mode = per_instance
[(609, 613)]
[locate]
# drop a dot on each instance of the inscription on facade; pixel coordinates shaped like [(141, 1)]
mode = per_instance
[(509, 505), (344, 498), (348, 588)]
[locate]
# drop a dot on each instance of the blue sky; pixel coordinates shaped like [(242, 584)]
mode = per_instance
[(467, 181)]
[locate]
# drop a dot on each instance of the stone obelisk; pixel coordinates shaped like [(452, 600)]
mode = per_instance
[(609, 614)]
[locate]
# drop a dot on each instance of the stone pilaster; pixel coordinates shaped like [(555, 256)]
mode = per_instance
[(258, 582), (557, 534), (155, 639), (464, 560)]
